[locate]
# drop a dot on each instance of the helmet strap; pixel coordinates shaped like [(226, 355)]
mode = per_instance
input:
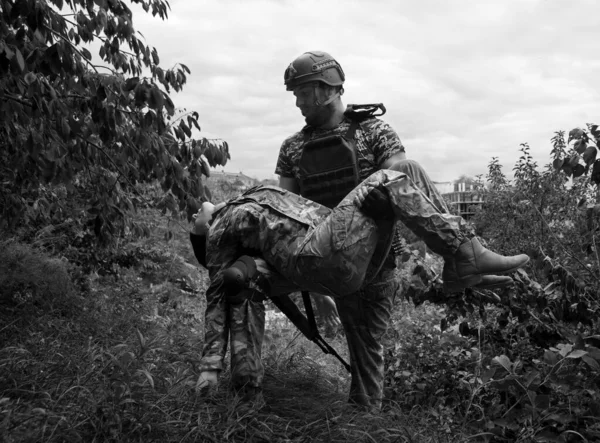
[(329, 100)]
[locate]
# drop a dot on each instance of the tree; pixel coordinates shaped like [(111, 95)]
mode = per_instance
[(97, 131)]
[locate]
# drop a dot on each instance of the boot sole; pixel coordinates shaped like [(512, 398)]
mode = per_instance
[(508, 271), (459, 285), (455, 286)]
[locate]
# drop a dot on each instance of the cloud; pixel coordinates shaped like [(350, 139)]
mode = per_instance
[(462, 81)]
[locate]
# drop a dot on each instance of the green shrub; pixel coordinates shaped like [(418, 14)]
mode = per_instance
[(29, 275)]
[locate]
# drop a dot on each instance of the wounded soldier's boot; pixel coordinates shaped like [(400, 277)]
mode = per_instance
[(473, 262), (452, 283)]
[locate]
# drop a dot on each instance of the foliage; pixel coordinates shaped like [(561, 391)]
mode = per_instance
[(530, 367), (95, 129), (26, 277), (582, 156)]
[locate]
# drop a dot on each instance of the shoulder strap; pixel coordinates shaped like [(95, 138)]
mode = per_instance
[(363, 112), (359, 113)]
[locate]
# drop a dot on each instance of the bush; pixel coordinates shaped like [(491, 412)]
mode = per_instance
[(28, 275)]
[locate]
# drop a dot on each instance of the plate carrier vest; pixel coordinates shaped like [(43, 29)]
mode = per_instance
[(328, 171), (328, 167)]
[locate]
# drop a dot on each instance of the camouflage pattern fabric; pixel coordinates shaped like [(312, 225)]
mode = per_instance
[(376, 141), (365, 316), (318, 249), (237, 225), (314, 248)]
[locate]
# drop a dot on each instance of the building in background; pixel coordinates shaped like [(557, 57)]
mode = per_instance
[(462, 196)]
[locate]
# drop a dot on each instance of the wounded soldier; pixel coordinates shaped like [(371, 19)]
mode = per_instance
[(310, 247), (314, 248)]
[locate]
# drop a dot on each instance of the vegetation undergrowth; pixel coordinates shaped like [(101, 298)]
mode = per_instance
[(111, 354)]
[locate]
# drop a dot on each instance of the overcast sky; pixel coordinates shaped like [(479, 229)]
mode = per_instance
[(463, 81)]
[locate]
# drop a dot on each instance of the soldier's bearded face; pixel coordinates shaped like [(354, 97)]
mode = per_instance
[(306, 98)]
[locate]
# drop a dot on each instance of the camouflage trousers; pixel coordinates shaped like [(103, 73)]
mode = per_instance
[(326, 251)]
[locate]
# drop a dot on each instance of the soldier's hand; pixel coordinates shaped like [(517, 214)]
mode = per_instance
[(207, 380), (374, 202), (326, 310)]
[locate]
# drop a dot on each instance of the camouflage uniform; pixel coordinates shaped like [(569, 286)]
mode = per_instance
[(313, 248), (365, 316)]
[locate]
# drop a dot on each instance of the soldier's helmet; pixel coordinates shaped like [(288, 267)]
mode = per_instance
[(313, 66)]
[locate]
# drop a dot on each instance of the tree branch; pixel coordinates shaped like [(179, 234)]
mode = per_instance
[(62, 37), (121, 174)]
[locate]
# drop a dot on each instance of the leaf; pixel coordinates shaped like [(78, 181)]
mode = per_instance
[(578, 353), (169, 105), (488, 375), (101, 93), (66, 130), (131, 83), (19, 59), (579, 146), (156, 99), (579, 342), (596, 172), (197, 151), (30, 78), (204, 167), (185, 128), (86, 54), (558, 163), (550, 357), (548, 436), (145, 371), (575, 134), (141, 94), (503, 361), (591, 362), (578, 170), (193, 122), (148, 119), (141, 339), (589, 156), (574, 160), (565, 349)]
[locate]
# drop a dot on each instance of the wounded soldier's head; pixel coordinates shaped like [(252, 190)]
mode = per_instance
[(204, 215)]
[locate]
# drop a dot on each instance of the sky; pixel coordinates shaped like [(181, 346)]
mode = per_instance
[(462, 81)]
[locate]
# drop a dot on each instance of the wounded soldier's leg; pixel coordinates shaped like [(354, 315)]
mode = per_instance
[(443, 233), (422, 181)]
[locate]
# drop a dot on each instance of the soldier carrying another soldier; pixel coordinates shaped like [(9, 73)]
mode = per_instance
[(308, 246)]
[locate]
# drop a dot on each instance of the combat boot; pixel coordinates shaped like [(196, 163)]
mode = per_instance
[(452, 283), (472, 261)]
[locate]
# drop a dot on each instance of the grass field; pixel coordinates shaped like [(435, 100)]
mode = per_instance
[(112, 355)]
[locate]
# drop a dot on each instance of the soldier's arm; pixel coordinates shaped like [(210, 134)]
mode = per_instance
[(393, 159), (384, 142), (199, 246)]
